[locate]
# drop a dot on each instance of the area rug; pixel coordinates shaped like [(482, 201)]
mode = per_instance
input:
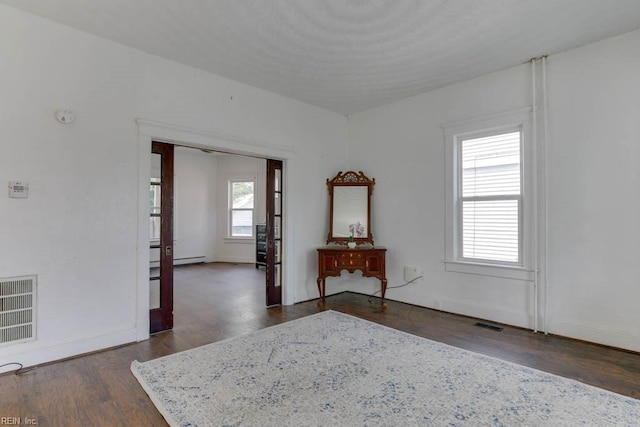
[(333, 369)]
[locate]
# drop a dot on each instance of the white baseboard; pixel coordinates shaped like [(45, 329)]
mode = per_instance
[(182, 261), (495, 314), (629, 340), (61, 351), (236, 260)]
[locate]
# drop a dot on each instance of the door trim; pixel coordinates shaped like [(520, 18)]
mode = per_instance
[(150, 130)]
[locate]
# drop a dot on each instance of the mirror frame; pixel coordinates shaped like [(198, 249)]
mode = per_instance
[(350, 179)]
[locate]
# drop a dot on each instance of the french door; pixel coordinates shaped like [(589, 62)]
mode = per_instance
[(161, 237), (274, 232)]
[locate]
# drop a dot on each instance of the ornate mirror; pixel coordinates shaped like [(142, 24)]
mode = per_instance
[(350, 208)]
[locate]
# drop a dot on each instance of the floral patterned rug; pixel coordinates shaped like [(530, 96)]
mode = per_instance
[(338, 370)]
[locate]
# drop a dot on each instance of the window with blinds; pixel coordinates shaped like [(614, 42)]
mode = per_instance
[(241, 201), (490, 198)]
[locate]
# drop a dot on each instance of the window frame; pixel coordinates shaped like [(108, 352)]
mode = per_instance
[(231, 209), (460, 139), (455, 133)]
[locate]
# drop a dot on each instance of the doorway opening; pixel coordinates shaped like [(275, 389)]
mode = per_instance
[(206, 207), (149, 131)]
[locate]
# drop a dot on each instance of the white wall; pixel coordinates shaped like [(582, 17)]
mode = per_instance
[(595, 192), (194, 206), (78, 230), (593, 203)]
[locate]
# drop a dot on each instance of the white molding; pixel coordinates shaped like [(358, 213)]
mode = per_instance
[(508, 120), (629, 340), (489, 121), (235, 260), (68, 349), (143, 255), (229, 178), (182, 261), (149, 130), (487, 312), (204, 139), (500, 271), (239, 240)]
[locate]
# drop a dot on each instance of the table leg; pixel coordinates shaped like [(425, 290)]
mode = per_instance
[(383, 291), (321, 290), (321, 287)]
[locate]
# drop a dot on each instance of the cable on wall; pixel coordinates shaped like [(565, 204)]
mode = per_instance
[(394, 287)]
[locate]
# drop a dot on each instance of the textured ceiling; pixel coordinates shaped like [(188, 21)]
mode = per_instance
[(346, 55)]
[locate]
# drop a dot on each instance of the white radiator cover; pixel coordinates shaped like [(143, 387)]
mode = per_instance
[(17, 309)]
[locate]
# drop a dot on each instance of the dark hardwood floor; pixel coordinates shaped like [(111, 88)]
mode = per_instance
[(218, 301)]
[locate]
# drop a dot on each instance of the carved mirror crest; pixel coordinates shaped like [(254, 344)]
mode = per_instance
[(350, 208)]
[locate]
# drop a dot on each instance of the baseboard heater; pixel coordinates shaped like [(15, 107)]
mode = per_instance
[(182, 261), (17, 309)]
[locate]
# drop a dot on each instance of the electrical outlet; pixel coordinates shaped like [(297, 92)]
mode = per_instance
[(437, 304), (411, 273)]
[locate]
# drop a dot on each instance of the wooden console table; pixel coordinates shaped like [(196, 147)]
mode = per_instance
[(370, 260)]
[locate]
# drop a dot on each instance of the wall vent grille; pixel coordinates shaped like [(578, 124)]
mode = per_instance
[(17, 309)]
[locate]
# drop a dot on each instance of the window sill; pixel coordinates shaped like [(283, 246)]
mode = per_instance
[(241, 240), (491, 270)]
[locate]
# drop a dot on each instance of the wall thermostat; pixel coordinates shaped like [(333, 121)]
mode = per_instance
[(18, 189)]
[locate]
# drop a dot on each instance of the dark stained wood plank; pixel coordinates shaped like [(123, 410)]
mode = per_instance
[(218, 301)]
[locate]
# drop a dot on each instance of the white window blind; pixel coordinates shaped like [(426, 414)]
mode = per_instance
[(491, 198)]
